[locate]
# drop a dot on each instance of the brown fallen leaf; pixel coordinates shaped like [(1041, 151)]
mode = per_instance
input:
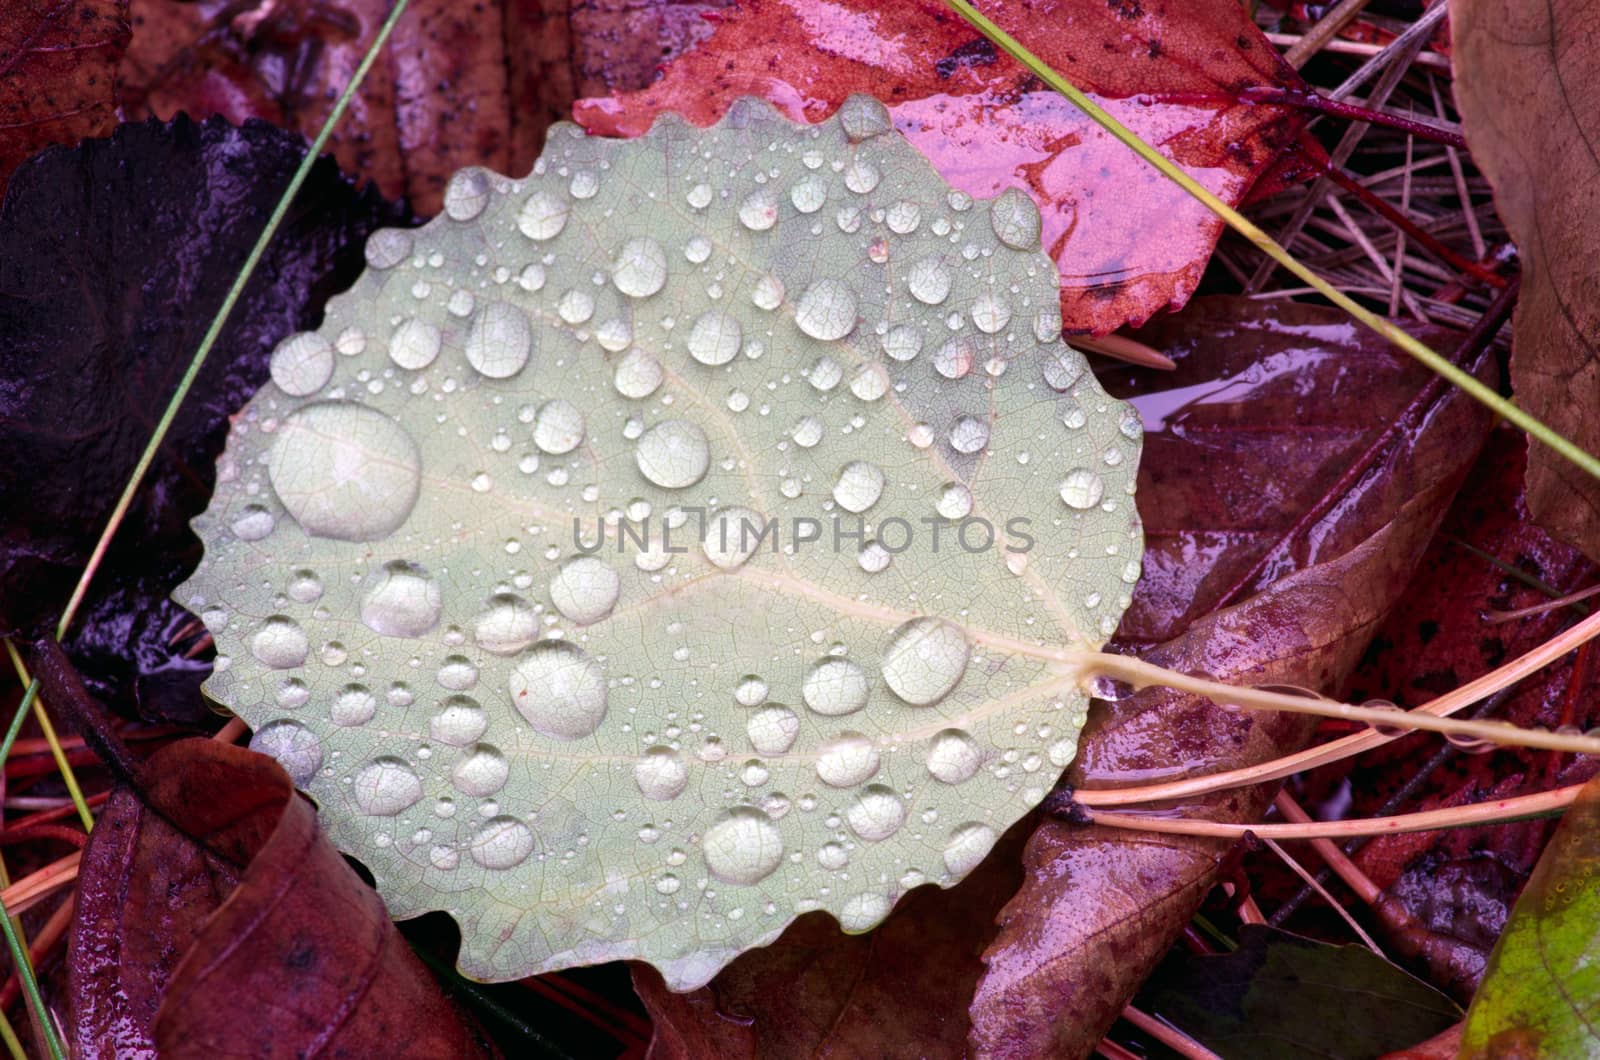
[(1314, 573), (216, 920), (459, 85), (1220, 498), (1528, 87), (1128, 242), (58, 64)]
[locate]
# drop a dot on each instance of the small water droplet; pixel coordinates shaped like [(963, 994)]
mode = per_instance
[(955, 358), (500, 341), (506, 626), (955, 501), (585, 589), (353, 705), (759, 210), (414, 344), (502, 843), (302, 364), (585, 184), (482, 772), (902, 343), (715, 337), (467, 194), (861, 176), (460, 722), (863, 912), (388, 247), (863, 117), (559, 427), (575, 307), (990, 313), (929, 281), (969, 434), (1082, 489), (767, 293), (640, 268), (1015, 217), (638, 375), (903, 217), (809, 193), (733, 535), (253, 523)]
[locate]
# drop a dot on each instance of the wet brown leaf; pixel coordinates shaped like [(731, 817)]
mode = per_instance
[(1128, 242), (461, 84), (216, 920), (1351, 458), (1528, 87), (58, 63)]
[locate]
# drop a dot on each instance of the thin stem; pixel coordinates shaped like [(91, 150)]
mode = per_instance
[(49, 730), (1172, 1038), (1439, 364), (1497, 811), (13, 1043), (245, 272), (30, 986), (1141, 674), (1311, 99)]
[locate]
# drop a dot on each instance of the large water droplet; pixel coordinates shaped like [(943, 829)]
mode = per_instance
[(954, 757), (827, 310), (297, 749), (902, 343), (861, 176), (506, 626), (673, 454), (638, 375), (401, 599), (846, 760), (460, 721), (877, 814), (575, 307), (772, 729), (955, 501), (661, 774), (929, 281), (1015, 217), (1082, 489), (1063, 370), (280, 643), (585, 589), (345, 471), (744, 847), (253, 523), (414, 344), (967, 847), (482, 772), (467, 194), (955, 358), (641, 267), (924, 660), (990, 312), (560, 690), (385, 786), (714, 340), (834, 687), (859, 486), (302, 364), (559, 427), (502, 843), (500, 341), (543, 216)]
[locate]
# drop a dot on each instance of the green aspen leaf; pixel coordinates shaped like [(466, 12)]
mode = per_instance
[(703, 530)]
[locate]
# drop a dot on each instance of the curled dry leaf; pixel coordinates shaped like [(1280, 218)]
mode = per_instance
[(460, 84), (1220, 501), (215, 919), (1127, 242), (1316, 553), (113, 257), (1528, 85), (58, 66)]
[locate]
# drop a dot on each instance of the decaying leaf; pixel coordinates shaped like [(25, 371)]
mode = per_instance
[(1541, 996), (583, 566), (1528, 85), (58, 65), (113, 257), (215, 919), (1283, 997), (1128, 242), (1315, 549)]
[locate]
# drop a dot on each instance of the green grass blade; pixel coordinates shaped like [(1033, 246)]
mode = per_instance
[(1239, 223)]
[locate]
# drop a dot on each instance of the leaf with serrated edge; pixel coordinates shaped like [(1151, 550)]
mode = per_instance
[(660, 754)]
